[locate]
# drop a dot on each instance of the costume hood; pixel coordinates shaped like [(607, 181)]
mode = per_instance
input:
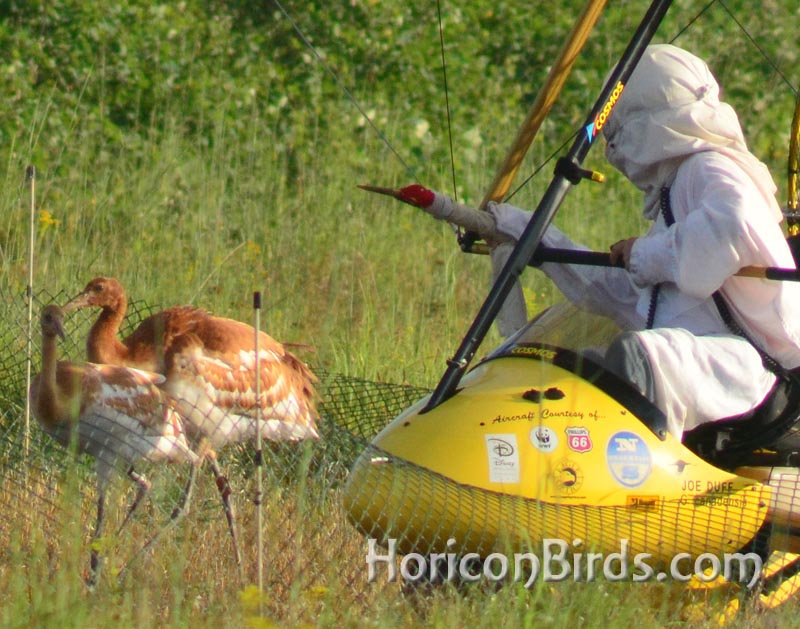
[(669, 110)]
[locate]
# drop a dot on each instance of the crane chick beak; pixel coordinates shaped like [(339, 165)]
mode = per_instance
[(81, 300)]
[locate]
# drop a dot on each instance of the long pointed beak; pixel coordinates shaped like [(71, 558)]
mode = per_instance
[(81, 300), (391, 192), (60, 331)]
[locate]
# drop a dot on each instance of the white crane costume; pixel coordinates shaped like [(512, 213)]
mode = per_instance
[(669, 129)]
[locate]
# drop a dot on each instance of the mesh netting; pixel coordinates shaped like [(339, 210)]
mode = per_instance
[(320, 499), (308, 542)]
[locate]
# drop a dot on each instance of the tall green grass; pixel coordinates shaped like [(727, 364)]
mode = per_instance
[(207, 213)]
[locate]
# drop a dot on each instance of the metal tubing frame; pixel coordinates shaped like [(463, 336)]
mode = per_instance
[(548, 206)]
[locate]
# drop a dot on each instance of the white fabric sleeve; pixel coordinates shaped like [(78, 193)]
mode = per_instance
[(514, 313), (719, 227), (508, 219), (605, 290), (653, 259)]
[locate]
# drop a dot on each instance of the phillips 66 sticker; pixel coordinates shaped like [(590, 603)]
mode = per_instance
[(578, 439)]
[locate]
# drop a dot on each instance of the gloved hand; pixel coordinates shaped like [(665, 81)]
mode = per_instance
[(621, 251)]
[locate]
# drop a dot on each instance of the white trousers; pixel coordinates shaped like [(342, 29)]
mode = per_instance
[(698, 379)]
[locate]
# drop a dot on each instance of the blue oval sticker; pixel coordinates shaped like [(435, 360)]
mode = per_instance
[(628, 459)]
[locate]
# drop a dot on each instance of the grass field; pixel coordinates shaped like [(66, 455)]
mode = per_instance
[(379, 291)]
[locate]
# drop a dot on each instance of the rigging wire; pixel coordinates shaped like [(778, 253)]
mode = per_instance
[(691, 22), (536, 170), (766, 57), (342, 86), (447, 101), (410, 171), (773, 64), (456, 228)]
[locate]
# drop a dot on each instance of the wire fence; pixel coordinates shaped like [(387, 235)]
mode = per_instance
[(308, 542), (324, 499)]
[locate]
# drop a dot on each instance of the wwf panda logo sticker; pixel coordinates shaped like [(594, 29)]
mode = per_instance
[(544, 439)]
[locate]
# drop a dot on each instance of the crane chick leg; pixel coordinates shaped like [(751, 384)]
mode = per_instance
[(94, 556), (180, 510), (143, 486), (224, 489)]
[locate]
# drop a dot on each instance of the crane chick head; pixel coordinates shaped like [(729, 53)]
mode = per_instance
[(52, 321), (101, 292)]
